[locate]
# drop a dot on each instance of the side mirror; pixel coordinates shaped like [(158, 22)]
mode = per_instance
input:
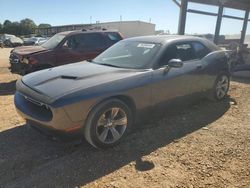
[(175, 63)]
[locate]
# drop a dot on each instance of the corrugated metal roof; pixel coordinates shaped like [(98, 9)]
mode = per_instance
[(236, 4)]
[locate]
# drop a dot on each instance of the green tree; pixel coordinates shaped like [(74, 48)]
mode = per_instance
[(6, 23), (13, 28), (24, 27), (44, 25), (10, 27), (27, 26)]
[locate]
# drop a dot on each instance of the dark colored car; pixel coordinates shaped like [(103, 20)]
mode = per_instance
[(62, 48), (102, 99)]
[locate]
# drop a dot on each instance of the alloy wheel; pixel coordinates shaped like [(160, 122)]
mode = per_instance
[(222, 87), (111, 125)]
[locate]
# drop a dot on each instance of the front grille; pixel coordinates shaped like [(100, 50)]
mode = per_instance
[(34, 108), (34, 101)]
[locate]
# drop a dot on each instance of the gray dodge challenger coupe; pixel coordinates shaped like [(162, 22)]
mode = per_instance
[(102, 98)]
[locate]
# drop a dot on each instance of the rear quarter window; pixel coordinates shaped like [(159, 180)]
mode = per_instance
[(200, 50), (112, 38)]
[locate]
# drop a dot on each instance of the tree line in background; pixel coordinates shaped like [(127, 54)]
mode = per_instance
[(24, 27)]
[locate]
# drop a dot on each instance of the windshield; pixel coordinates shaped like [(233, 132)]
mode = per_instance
[(53, 41), (128, 54)]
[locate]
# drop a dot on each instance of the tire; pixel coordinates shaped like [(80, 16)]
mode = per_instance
[(221, 87), (108, 123)]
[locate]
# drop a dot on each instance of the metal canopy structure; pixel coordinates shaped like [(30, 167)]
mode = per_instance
[(243, 5), (235, 4)]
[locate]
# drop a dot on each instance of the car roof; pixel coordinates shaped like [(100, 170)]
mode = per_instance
[(167, 39), (86, 31), (163, 38)]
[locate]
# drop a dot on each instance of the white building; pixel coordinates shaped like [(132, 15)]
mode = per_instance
[(126, 28), (130, 28)]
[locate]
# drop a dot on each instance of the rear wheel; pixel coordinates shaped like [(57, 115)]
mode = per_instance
[(221, 87), (108, 123)]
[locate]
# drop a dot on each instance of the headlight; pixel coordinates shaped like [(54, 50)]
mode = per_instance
[(25, 60)]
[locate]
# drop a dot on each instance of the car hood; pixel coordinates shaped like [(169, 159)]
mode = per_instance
[(25, 50), (60, 81)]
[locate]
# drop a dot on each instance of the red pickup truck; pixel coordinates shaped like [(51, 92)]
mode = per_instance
[(62, 48)]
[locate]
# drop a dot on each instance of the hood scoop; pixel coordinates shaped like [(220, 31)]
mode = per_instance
[(55, 78), (69, 77)]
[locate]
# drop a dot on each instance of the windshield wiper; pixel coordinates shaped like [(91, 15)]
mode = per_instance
[(105, 64), (110, 65)]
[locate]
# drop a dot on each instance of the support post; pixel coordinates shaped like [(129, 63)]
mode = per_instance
[(244, 28), (182, 17), (218, 24)]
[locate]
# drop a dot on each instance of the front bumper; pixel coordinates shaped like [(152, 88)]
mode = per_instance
[(54, 133), (46, 119), (16, 66)]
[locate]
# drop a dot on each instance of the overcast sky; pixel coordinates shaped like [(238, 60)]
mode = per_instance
[(163, 13)]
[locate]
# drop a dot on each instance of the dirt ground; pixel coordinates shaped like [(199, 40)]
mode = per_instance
[(204, 145)]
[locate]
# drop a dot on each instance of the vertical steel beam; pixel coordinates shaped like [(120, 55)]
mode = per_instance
[(218, 24), (244, 28), (182, 17)]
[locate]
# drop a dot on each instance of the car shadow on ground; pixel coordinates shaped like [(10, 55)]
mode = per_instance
[(8, 88), (29, 159), (241, 79)]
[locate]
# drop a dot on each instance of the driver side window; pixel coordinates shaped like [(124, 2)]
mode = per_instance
[(70, 43), (182, 51), (75, 43)]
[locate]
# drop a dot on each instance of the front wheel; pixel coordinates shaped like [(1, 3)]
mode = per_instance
[(108, 123), (221, 87)]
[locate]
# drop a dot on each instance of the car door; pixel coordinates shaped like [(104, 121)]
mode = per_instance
[(172, 83), (94, 44), (203, 78), (80, 47), (71, 51)]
